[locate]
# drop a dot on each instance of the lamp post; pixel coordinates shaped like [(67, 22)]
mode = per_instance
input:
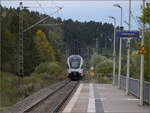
[(114, 51), (128, 52), (120, 48), (142, 62)]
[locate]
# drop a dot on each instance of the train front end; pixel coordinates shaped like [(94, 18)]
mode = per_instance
[(75, 67)]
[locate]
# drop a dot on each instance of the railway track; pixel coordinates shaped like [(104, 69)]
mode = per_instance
[(54, 101), (51, 99)]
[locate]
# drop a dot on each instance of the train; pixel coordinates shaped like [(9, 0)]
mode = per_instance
[(75, 67)]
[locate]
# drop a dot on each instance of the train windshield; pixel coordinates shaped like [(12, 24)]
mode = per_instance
[(75, 62)]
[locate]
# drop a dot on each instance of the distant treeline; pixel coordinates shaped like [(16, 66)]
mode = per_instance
[(71, 35)]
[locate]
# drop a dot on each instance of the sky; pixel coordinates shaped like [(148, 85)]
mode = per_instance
[(85, 10)]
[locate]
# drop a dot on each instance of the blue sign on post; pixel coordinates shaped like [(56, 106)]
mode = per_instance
[(128, 34)]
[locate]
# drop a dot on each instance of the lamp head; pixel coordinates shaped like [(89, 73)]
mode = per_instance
[(111, 17), (60, 8), (126, 22), (117, 5)]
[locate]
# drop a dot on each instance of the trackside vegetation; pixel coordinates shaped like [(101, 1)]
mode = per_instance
[(14, 88), (102, 65)]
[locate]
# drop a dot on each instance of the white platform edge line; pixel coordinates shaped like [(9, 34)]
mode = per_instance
[(74, 99), (91, 103), (91, 92)]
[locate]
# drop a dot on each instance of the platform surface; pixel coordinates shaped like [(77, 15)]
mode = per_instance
[(103, 98)]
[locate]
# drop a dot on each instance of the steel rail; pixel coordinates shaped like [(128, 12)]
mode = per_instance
[(51, 94), (59, 106)]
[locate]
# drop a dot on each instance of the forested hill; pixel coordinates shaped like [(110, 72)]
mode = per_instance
[(87, 32), (41, 44), (47, 43), (83, 34)]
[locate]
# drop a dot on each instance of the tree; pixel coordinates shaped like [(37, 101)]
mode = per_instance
[(146, 14), (45, 49), (147, 56)]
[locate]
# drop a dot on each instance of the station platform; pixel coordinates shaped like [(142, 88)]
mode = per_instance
[(103, 98)]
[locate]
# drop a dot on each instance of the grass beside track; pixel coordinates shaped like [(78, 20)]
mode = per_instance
[(14, 89)]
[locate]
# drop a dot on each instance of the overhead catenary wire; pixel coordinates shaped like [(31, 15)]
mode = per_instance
[(40, 6), (41, 20), (56, 6)]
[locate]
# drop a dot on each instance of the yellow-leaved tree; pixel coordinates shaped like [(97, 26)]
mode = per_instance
[(45, 49)]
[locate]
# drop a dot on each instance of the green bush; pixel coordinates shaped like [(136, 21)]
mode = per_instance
[(105, 67), (7, 81), (52, 68), (101, 64), (9, 85), (31, 79), (96, 59)]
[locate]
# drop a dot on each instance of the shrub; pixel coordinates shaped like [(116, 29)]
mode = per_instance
[(31, 79), (9, 84), (7, 81), (101, 64), (50, 68), (105, 67), (96, 59)]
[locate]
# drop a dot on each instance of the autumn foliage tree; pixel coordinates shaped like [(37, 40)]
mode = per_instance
[(45, 49)]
